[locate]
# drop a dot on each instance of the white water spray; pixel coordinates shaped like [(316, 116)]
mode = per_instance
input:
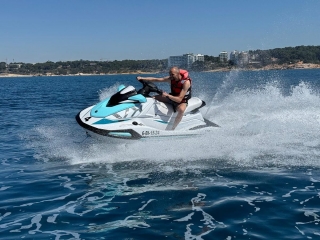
[(258, 127)]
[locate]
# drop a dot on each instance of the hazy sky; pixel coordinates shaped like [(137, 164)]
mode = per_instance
[(61, 30)]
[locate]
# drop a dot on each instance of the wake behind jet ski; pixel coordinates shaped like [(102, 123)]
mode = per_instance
[(132, 114)]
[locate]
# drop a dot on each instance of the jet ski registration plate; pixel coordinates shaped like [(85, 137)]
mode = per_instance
[(148, 133)]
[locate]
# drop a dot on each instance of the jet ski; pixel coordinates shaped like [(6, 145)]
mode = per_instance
[(131, 114)]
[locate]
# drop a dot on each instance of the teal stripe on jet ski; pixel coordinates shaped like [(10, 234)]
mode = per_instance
[(107, 121), (101, 110), (121, 87), (120, 134), (161, 121)]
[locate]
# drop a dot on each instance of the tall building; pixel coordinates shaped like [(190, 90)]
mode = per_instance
[(243, 58), (186, 60), (176, 61), (234, 56), (239, 58), (199, 57), (223, 56)]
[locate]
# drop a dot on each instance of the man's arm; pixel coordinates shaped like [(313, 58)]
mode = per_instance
[(153, 79), (183, 92)]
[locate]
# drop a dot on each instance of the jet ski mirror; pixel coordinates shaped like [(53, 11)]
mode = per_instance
[(148, 87)]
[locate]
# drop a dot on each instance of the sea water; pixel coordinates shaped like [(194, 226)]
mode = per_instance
[(255, 177)]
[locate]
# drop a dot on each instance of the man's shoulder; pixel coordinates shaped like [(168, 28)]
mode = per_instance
[(186, 82)]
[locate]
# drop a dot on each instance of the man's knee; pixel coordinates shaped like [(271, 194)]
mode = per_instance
[(181, 108)]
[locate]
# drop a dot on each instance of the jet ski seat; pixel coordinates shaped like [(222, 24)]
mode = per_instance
[(194, 104)]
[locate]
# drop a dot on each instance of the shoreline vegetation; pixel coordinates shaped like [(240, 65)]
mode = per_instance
[(299, 65), (300, 57)]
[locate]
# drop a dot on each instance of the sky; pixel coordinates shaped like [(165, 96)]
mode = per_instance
[(66, 30)]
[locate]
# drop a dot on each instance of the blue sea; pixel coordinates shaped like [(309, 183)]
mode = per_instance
[(255, 177)]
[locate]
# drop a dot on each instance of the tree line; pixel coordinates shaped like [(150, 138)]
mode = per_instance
[(85, 66), (257, 58), (287, 55)]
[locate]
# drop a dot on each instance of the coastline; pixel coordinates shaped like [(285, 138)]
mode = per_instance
[(297, 66), (78, 74)]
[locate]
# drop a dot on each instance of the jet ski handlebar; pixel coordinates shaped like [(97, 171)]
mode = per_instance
[(148, 87)]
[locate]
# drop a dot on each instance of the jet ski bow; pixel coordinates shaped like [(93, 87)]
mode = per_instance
[(131, 114)]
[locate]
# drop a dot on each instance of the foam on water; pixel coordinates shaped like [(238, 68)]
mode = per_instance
[(154, 183), (260, 126)]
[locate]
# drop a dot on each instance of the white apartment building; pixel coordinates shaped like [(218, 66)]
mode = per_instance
[(186, 60), (239, 58), (234, 56), (199, 57), (223, 56)]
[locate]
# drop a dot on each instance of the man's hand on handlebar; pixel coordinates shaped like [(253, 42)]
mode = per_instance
[(164, 94)]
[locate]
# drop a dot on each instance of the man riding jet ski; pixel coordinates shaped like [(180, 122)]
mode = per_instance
[(132, 114), (180, 91)]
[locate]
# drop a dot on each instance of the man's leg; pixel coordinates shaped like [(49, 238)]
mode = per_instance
[(180, 109)]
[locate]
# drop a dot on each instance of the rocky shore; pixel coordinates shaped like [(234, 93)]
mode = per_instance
[(299, 65)]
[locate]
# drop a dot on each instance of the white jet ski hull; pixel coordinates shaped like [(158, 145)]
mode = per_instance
[(137, 117)]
